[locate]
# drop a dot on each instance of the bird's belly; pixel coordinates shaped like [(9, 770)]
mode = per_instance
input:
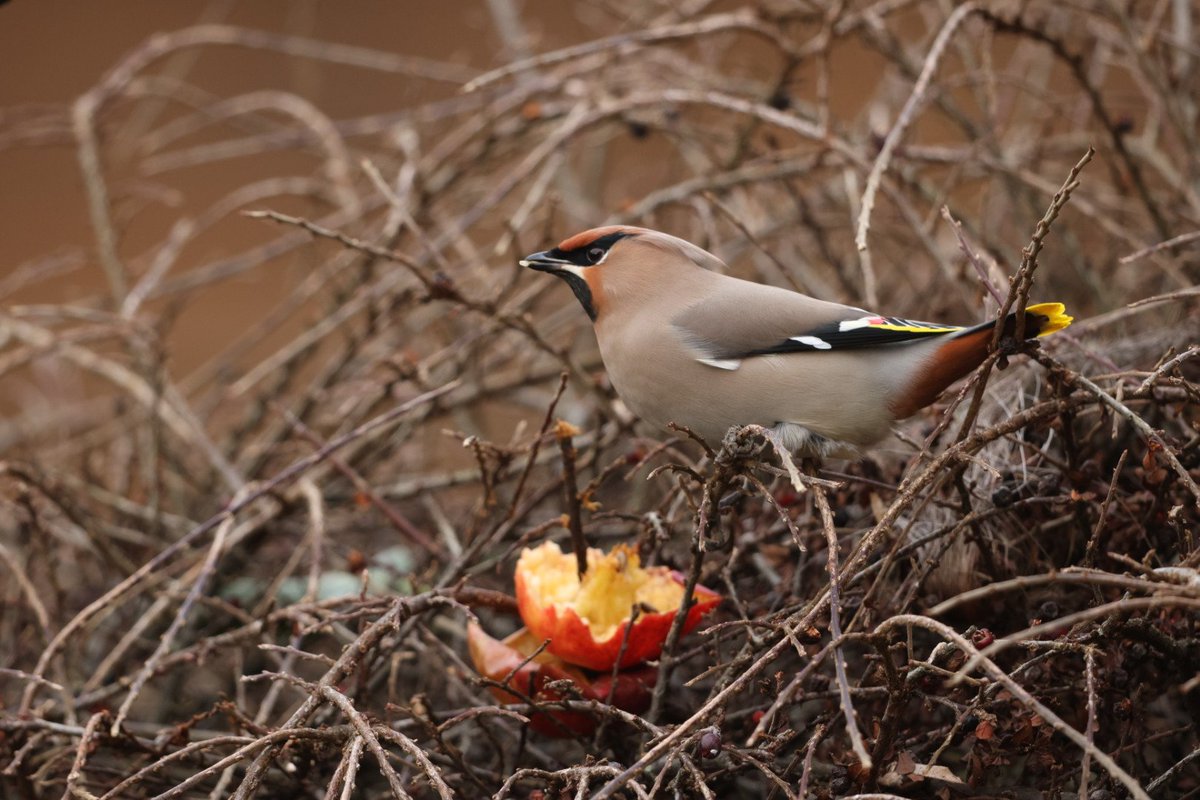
[(771, 391)]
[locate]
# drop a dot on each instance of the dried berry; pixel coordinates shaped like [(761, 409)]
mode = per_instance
[(982, 637), (1004, 495), (786, 497), (709, 744)]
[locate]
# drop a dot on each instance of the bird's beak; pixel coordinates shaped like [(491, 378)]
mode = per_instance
[(544, 262), (573, 274)]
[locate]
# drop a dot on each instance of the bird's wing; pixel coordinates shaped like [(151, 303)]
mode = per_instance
[(754, 320), (867, 330)]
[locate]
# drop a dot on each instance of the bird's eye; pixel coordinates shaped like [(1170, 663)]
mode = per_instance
[(595, 255)]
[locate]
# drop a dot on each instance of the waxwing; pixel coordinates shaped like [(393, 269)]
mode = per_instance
[(684, 343)]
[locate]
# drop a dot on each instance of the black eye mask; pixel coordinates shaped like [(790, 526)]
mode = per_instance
[(584, 255), (587, 255)]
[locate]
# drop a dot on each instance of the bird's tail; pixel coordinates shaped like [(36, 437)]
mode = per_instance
[(965, 350), (1041, 319)]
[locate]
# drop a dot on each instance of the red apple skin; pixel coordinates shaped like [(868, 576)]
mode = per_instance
[(572, 640), (635, 688), (497, 659)]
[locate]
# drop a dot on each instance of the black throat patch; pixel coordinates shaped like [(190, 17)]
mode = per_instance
[(583, 292)]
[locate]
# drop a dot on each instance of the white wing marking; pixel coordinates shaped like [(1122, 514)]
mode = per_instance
[(813, 341), (854, 324), (721, 363)]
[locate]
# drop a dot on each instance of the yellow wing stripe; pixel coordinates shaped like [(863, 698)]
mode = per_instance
[(913, 327)]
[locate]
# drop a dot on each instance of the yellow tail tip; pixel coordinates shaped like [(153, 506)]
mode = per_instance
[(1055, 314)]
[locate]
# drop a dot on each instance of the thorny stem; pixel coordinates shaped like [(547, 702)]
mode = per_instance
[(564, 434), (1022, 280)]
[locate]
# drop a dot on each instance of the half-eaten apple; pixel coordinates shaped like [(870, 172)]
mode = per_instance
[(617, 610), (508, 662)]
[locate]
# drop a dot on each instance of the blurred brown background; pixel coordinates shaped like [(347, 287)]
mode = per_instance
[(55, 50)]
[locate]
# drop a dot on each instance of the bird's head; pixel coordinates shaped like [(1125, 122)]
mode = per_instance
[(616, 259)]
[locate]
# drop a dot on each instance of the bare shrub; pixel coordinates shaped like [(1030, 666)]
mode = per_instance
[(249, 576)]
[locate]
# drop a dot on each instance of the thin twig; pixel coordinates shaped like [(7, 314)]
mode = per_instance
[(835, 629), (867, 204)]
